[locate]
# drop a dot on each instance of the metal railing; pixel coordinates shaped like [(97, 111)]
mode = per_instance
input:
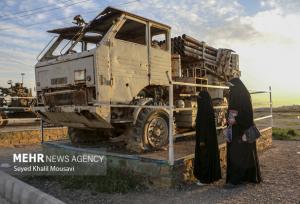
[(171, 109), (18, 97)]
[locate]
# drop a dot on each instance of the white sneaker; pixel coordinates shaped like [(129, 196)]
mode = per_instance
[(198, 183)]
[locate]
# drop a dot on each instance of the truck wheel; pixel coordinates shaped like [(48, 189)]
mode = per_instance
[(3, 122), (151, 131)]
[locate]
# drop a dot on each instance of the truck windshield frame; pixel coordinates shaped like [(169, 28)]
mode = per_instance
[(159, 38), (78, 39), (133, 31)]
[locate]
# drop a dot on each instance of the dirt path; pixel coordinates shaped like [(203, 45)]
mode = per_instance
[(280, 167)]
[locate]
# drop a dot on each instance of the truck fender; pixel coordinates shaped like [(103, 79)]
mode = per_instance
[(136, 111)]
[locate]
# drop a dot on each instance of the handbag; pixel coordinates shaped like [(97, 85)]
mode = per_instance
[(227, 133), (252, 134)]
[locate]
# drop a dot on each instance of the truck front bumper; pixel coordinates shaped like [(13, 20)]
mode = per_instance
[(76, 116)]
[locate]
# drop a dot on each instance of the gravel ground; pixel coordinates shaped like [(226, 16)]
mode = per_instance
[(280, 168)]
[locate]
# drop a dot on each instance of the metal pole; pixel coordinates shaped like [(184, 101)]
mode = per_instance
[(199, 85), (22, 74), (42, 131), (271, 105), (171, 141)]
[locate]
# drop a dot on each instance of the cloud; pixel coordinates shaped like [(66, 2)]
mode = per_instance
[(267, 39), (10, 2), (231, 31), (19, 42), (193, 17), (13, 29), (287, 6), (268, 44)]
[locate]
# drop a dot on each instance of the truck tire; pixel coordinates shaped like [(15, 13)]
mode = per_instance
[(151, 131), (3, 122)]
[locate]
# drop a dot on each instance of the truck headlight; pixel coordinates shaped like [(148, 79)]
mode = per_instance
[(79, 75)]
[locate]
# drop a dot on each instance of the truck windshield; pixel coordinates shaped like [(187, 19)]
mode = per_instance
[(77, 39), (64, 42)]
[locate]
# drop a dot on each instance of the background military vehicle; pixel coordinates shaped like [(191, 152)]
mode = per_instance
[(15, 102), (89, 75)]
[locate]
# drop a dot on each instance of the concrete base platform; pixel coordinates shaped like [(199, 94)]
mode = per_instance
[(21, 136), (155, 165)]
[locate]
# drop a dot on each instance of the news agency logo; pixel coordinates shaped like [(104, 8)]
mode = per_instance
[(58, 164), (42, 158)]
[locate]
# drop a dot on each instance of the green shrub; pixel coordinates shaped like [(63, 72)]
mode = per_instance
[(114, 181), (291, 132), (285, 134)]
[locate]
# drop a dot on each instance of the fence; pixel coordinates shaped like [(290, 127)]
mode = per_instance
[(171, 110)]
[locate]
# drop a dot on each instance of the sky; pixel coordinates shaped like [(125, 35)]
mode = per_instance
[(265, 33)]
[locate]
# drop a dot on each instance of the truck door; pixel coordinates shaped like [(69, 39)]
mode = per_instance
[(160, 55), (129, 60)]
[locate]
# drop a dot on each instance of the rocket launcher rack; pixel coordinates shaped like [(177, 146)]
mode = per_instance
[(220, 62)]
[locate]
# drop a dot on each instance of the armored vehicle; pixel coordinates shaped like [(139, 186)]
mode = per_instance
[(96, 78), (15, 102)]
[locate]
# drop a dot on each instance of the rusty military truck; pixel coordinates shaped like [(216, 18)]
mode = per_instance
[(102, 79)]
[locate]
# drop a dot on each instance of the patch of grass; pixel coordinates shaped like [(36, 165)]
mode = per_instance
[(115, 181), (291, 132), (285, 134)]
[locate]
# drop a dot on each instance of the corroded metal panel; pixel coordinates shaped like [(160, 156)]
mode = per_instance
[(76, 97), (129, 65), (160, 62), (103, 76), (61, 73)]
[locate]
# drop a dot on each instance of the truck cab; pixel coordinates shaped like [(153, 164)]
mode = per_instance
[(116, 58), (108, 60)]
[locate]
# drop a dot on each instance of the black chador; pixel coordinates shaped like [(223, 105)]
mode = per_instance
[(207, 162), (242, 161)]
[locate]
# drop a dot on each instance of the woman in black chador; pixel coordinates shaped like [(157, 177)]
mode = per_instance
[(242, 160), (207, 162)]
